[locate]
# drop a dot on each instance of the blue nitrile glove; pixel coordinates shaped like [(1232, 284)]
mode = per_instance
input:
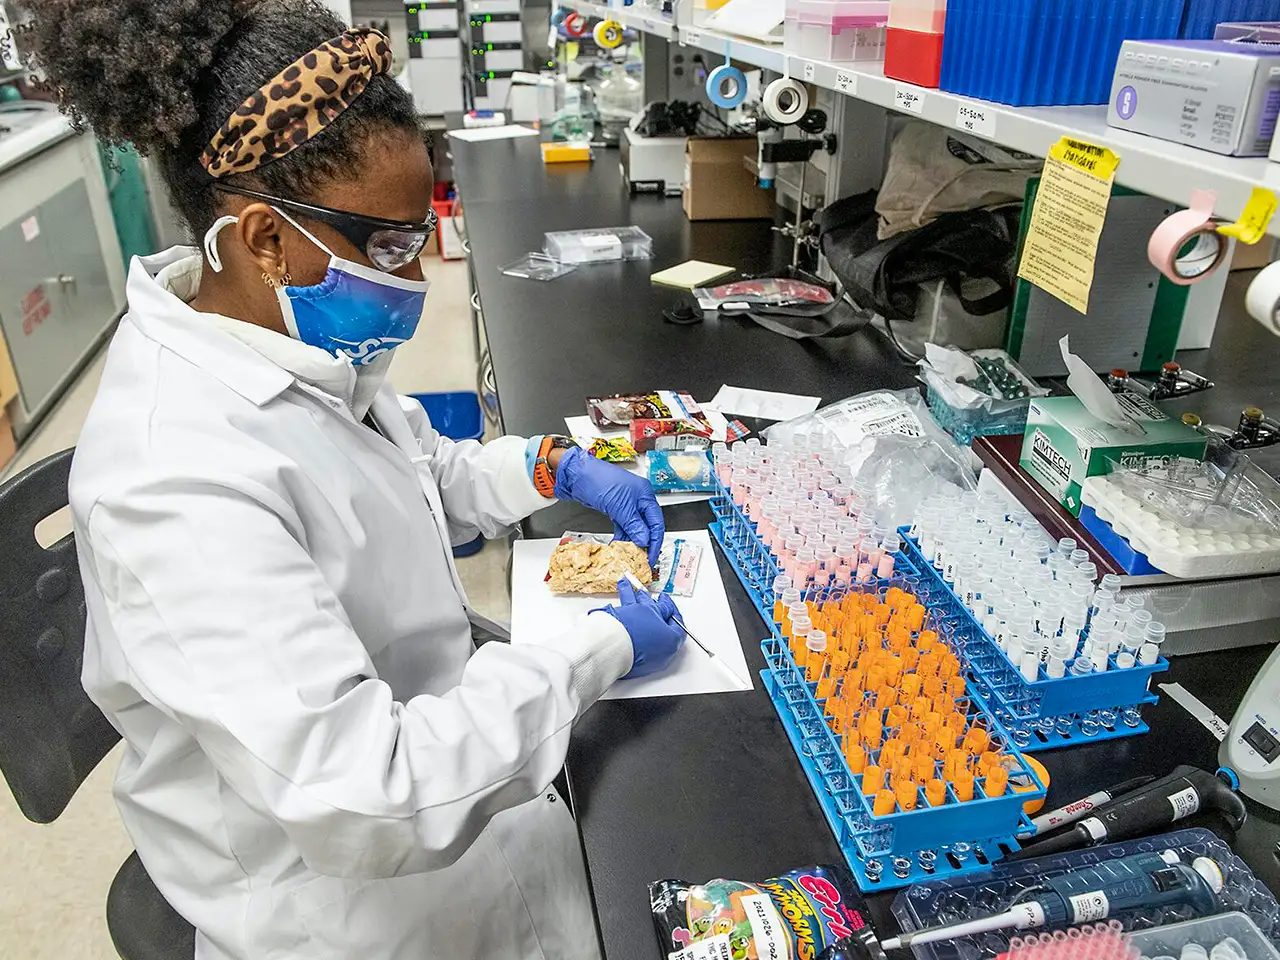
[(655, 639), (623, 497)]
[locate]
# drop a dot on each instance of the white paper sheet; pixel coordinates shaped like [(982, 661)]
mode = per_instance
[(765, 404), (537, 613), (508, 132), (584, 431)]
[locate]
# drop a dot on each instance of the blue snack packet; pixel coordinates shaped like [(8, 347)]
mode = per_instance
[(680, 471)]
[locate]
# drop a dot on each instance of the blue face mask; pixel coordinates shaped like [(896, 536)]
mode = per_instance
[(356, 312)]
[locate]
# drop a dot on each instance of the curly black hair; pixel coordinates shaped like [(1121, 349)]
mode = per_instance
[(163, 75)]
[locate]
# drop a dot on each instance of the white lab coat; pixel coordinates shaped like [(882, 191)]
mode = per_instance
[(318, 763)]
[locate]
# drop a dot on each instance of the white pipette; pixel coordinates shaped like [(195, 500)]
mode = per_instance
[(678, 620)]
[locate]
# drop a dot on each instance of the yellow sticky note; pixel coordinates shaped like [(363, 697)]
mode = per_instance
[(1253, 223), (1070, 209), (691, 274)]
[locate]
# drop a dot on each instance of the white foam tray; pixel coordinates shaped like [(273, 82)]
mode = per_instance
[(1179, 550)]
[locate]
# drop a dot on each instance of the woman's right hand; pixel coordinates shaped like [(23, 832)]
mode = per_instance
[(655, 637)]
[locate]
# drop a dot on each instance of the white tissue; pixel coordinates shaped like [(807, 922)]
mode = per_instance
[(1093, 393)]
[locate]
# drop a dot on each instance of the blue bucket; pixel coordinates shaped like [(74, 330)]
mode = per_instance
[(458, 416)]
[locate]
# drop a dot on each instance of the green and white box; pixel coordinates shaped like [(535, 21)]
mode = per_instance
[(1064, 443)]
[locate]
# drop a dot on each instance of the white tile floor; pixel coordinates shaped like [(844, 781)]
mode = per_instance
[(55, 877)]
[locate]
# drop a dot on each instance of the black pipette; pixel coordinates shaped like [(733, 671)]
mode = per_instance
[(1155, 806)]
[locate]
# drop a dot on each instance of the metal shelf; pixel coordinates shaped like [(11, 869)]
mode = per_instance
[(643, 21), (1156, 167)]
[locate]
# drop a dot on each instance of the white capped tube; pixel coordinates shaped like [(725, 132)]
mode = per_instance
[(1149, 654)]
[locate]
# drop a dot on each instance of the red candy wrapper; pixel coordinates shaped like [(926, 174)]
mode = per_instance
[(645, 433)]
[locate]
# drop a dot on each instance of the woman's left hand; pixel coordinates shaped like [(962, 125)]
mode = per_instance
[(626, 499)]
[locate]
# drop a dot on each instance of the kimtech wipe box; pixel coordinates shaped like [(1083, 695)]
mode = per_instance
[(1064, 443)]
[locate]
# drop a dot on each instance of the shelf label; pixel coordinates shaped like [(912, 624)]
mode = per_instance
[(979, 120), (692, 38), (809, 71), (846, 82), (908, 99)]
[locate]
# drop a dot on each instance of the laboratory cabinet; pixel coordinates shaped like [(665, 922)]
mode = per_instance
[(61, 271)]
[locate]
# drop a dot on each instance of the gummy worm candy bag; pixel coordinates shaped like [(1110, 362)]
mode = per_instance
[(812, 913)]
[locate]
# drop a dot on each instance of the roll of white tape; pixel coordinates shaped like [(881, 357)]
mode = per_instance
[(1187, 247), (726, 86), (785, 101), (608, 34), (1263, 299)]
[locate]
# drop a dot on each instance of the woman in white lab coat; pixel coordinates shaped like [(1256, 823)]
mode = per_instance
[(318, 762)]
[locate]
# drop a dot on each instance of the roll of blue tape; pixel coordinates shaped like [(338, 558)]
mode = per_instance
[(726, 86)]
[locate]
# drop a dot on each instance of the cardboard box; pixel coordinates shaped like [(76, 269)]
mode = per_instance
[(8, 376), (8, 444), (1209, 94), (1064, 443), (716, 184)]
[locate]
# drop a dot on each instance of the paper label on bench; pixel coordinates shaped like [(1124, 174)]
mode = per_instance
[(766, 928), (846, 82), (713, 948)]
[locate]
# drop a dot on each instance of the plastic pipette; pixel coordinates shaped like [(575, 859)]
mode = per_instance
[(1144, 881), (679, 622)]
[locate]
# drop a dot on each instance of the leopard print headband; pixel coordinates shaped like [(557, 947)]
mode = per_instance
[(297, 103)]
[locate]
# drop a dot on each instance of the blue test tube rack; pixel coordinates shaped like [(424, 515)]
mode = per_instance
[(1048, 712), (897, 849)]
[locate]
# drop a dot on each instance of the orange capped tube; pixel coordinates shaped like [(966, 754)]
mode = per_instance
[(935, 791), (854, 755), (884, 803), (963, 785), (996, 781), (907, 795), (872, 779)]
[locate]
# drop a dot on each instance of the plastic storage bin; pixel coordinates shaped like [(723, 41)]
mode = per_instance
[(914, 41), (838, 30), (1204, 15), (1032, 53), (913, 56), (1208, 932), (598, 245), (458, 416)]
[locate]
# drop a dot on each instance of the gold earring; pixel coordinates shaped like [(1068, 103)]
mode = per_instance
[(266, 278), (286, 279)]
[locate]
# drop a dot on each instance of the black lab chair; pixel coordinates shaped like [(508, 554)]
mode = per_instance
[(51, 734)]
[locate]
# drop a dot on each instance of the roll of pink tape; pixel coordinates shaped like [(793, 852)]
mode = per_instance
[(1187, 247)]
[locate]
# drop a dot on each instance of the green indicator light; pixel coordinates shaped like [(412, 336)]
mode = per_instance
[(491, 74)]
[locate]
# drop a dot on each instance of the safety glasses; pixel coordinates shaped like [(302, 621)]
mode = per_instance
[(389, 244)]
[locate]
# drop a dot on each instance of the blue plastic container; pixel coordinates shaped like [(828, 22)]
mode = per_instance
[(458, 416), (1203, 15), (1046, 52), (1045, 713), (1120, 549)]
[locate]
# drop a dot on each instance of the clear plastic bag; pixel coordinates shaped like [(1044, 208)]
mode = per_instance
[(978, 392), (888, 445), (1226, 493)]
